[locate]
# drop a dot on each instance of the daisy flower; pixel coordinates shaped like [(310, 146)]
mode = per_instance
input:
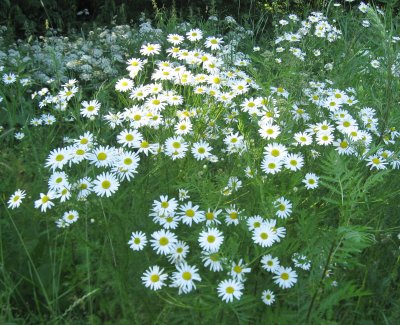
[(294, 162), (154, 278), (44, 202), (138, 241), (194, 35), (105, 184), (232, 215), (163, 241), (102, 156), (269, 263), (184, 278), (211, 217), (175, 39), (201, 150), (129, 138), (190, 214), (150, 49), (303, 138), (254, 222), (58, 158), (165, 206), (15, 200), (213, 43), (285, 277), (213, 261), (269, 131), (271, 166), (9, 78), (90, 109), (124, 85), (284, 208), (179, 250), (268, 297), (70, 216), (324, 139), (229, 289), (275, 151), (211, 239), (238, 270), (377, 162), (264, 236), (310, 181)]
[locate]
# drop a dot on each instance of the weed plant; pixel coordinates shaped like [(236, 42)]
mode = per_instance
[(187, 173)]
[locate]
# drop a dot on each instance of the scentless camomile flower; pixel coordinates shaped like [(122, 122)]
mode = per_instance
[(190, 213), (294, 162), (105, 184), (230, 289), (201, 150), (58, 158), (210, 240), (70, 216), (165, 206), (9, 79), (268, 297), (163, 241), (194, 35), (213, 43), (138, 241), (377, 162), (15, 200), (269, 263), (150, 49), (284, 208), (254, 222), (90, 108), (45, 202), (184, 278), (124, 85), (271, 166), (179, 251), (285, 277), (213, 261), (238, 270), (154, 278), (310, 181), (264, 236), (130, 138), (175, 39)]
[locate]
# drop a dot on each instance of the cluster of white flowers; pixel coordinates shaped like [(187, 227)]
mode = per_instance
[(169, 213)]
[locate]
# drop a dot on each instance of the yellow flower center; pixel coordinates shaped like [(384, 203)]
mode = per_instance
[(211, 239), (154, 278), (237, 269), (163, 241), (285, 276), (230, 290), (186, 276), (60, 157), (102, 156), (128, 161), (190, 213), (106, 184), (275, 152)]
